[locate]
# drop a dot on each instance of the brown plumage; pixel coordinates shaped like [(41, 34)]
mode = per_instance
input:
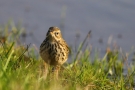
[(54, 50)]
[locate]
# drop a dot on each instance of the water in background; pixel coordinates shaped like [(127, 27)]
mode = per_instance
[(105, 18)]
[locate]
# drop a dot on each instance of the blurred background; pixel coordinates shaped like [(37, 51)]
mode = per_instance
[(107, 19)]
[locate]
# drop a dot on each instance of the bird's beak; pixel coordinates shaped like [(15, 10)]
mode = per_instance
[(51, 36), (51, 33)]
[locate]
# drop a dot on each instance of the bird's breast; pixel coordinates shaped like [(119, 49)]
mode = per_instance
[(54, 52)]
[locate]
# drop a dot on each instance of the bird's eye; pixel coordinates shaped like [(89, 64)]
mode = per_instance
[(56, 33)]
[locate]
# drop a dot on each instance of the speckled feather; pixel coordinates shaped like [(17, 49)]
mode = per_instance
[(54, 52)]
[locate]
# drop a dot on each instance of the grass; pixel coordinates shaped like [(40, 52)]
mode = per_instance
[(21, 68)]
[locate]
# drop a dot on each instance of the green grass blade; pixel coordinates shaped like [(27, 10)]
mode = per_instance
[(9, 58)]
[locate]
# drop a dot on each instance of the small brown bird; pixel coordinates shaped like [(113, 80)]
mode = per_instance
[(54, 50)]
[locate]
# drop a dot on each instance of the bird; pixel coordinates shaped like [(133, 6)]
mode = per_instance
[(54, 51)]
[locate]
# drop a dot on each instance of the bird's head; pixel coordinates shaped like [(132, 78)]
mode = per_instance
[(54, 34)]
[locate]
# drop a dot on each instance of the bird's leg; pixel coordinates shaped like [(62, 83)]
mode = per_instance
[(45, 71), (56, 71)]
